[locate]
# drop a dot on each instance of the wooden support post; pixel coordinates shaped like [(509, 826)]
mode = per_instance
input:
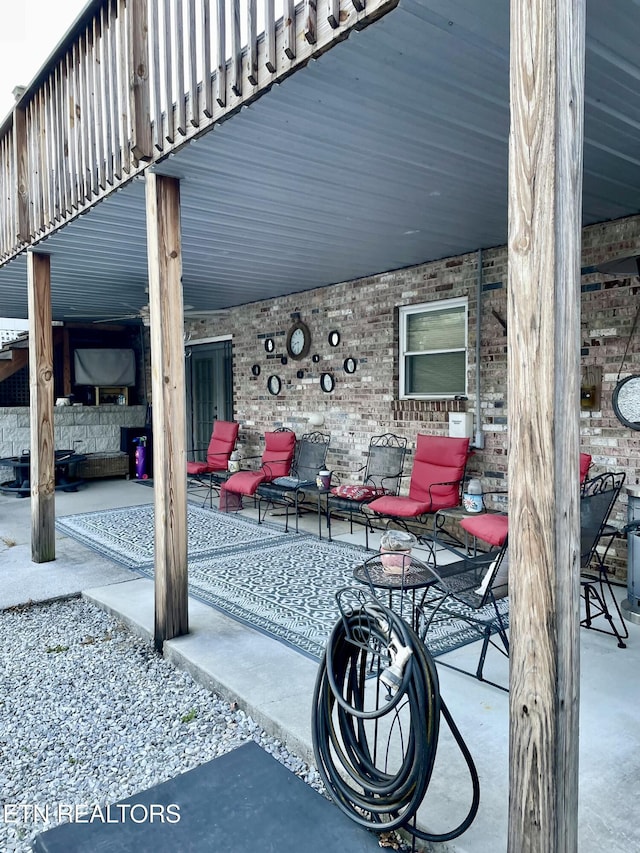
[(139, 84), (545, 195), (21, 172), (42, 474), (167, 384)]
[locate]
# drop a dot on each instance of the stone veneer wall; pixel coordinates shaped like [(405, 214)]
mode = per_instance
[(365, 312), (87, 429)]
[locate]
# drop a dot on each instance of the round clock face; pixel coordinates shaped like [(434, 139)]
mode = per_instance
[(298, 340), (274, 385), (327, 382)]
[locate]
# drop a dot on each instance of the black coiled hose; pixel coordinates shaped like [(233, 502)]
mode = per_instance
[(355, 724)]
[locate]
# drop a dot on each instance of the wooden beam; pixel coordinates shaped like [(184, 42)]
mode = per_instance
[(19, 359), (139, 85), (42, 474), (167, 384), (66, 363), (21, 171), (310, 21), (545, 194)]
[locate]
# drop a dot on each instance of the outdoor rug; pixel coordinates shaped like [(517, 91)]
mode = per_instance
[(283, 584)]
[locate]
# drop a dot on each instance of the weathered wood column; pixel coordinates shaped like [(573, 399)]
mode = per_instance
[(169, 428), (545, 196), (42, 474)]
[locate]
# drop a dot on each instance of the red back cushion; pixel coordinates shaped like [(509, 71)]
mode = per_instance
[(585, 464), (223, 440), (278, 453), (438, 459)]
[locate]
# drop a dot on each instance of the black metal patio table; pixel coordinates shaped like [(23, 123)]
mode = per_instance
[(65, 463)]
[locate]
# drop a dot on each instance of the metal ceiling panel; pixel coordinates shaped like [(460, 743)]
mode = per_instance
[(389, 150)]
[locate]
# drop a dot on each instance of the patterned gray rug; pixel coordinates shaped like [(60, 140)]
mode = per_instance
[(283, 584)]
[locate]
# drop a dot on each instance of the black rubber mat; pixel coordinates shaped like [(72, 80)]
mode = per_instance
[(243, 802)]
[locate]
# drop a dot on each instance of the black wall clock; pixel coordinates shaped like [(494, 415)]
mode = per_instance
[(334, 338), (327, 382), (269, 344), (298, 340), (274, 385), (349, 365)]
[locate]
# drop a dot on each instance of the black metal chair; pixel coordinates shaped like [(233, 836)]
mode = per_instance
[(473, 589), (381, 475), (291, 491), (596, 535)]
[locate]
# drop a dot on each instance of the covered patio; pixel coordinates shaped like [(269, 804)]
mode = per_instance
[(244, 666), (409, 132)]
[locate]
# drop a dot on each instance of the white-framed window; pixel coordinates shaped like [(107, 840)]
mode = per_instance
[(433, 350)]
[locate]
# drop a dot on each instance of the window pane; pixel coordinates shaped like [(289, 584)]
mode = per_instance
[(436, 374), (434, 330)]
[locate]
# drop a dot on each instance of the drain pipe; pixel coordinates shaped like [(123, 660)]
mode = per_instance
[(479, 436)]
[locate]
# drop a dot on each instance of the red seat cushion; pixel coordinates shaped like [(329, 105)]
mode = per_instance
[(244, 482), (197, 468), (357, 493), (399, 505), (491, 528)]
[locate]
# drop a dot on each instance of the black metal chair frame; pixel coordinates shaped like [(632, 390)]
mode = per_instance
[(597, 499), (383, 470), (456, 596), (310, 457)]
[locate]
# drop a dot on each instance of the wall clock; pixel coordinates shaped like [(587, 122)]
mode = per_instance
[(256, 370), (626, 402), (334, 338), (269, 344), (274, 385), (349, 365), (298, 340), (327, 382)]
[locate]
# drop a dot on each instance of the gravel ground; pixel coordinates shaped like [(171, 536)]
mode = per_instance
[(90, 713)]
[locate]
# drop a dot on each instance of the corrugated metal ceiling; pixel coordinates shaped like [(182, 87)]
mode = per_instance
[(390, 150)]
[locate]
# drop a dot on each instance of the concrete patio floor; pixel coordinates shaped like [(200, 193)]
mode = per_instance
[(275, 684)]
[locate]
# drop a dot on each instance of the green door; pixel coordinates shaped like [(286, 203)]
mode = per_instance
[(209, 374)]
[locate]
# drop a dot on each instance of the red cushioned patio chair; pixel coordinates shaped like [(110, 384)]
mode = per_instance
[(210, 473), (275, 461), (436, 482)]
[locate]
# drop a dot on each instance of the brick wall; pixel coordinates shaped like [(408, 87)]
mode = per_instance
[(366, 403)]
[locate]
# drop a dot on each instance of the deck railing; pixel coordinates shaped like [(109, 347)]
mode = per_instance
[(133, 80)]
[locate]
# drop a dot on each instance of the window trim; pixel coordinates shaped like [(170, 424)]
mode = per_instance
[(422, 308)]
